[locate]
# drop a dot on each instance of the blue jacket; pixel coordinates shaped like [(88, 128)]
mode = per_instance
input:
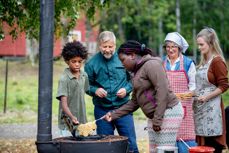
[(110, 75)]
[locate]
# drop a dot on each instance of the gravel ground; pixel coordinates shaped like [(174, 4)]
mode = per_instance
[(22, 132), (25, 131)]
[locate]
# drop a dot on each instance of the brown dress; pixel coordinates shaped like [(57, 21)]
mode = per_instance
[(217, 75)]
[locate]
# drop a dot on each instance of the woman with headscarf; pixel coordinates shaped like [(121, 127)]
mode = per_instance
[(181, 74)]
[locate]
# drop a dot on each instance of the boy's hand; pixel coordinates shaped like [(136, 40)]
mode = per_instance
[(121, 93), (74, 120), (100, 92)]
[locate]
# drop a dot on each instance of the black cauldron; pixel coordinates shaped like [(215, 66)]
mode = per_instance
[(80, 144)]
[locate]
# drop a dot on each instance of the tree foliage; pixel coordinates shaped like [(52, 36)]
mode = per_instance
[(23, 15), (136, 19), (144, 20), (140, 20)]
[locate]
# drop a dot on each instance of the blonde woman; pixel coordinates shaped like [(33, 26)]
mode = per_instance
[(211, 82)]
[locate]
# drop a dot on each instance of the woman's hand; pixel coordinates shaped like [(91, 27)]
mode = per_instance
[(108, 117), (209, 96), (156, 128), (202, 99)]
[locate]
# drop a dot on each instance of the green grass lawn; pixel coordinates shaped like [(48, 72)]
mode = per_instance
[(22, 93)]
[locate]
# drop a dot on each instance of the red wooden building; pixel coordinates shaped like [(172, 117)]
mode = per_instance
[(21, 47)]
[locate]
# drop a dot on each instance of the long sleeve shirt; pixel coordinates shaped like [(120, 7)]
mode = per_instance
[(217, 74), (110, 75), (151, 91)]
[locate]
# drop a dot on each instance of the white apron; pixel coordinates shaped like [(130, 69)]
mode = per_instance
[(207, 115), (179, 84)]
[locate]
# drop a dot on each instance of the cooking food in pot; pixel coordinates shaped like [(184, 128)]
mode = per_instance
[(86, 129)]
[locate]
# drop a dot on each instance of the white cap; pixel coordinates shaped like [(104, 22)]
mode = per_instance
[(178, 39)]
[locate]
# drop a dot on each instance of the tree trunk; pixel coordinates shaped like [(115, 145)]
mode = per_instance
[(178, 24), (194, 32), (194, 40), (160, 29), (120, 27)]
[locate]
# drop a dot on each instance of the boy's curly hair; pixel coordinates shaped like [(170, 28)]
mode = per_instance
[(74, 49)]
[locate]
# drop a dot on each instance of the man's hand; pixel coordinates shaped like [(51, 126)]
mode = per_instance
[(100, 92), (121, 93), (108, 117)]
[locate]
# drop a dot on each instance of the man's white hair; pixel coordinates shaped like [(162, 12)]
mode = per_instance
[(107, 36)]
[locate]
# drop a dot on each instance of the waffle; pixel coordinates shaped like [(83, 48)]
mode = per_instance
[(184, 96), (86, 129)]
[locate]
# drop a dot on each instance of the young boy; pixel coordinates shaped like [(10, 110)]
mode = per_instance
[(72, 86)]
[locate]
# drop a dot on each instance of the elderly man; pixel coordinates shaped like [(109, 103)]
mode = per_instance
[(110, 88)]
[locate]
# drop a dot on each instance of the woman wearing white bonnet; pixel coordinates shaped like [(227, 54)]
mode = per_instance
[(175, 37), (181, 74)]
